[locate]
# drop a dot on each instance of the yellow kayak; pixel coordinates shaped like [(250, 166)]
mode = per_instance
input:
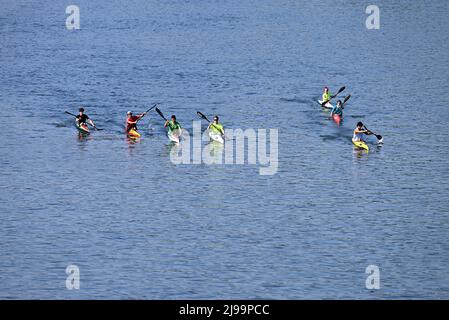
[(361, 145), (133, 134)]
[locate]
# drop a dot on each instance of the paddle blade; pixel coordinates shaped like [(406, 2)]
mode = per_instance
[(202, 116), (345, 100), (151, 108), (378, 136), (338, 92), (160, 113)]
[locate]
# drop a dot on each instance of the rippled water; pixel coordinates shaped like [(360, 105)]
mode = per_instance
[(138, 226)]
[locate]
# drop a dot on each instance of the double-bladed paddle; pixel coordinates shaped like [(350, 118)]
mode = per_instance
[(179, 130), (338, 92), (154, 106), (74, 115), (345, 100), (143, 114), (160, 113), (205, 118), (378, 136)]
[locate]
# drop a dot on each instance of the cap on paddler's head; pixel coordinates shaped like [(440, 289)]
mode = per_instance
[(129, 112)]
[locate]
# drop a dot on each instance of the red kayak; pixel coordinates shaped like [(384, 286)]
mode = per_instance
[(337, 119), (83, 128)]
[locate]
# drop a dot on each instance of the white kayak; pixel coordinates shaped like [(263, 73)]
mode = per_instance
[(175, 135), (216, 137), (327, 105)]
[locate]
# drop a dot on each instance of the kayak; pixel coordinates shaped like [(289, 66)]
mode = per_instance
[(83, 128), (216, 137), (337, 119), (327, 105), (361, 145), (175, 135), (133, 134)]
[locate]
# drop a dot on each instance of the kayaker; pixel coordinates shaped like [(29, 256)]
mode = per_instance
[(337, 109), (359, 131), (83, 118), (131, 121), (326, 95), (216, 127), (173, 124)]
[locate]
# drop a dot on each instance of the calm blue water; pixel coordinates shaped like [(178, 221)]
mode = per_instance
[(139, 226)]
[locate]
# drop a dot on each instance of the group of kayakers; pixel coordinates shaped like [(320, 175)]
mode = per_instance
[(215, 127), (83, 119), (337, 109), (360, 129)]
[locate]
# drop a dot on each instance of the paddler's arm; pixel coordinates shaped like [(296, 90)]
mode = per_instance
[(166, 124), (332, 112), (363, 131), (91, 123)]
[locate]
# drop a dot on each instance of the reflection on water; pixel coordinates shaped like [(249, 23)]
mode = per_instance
[(213, 153), (359, 153), (132, 143), (83, 138)]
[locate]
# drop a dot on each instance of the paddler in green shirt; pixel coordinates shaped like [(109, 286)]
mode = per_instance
[(326, 95), (338, 110), (172, 124), (216, 127)]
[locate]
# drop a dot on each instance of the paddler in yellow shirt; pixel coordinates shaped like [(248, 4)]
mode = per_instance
[(216, 127), (326, 96)]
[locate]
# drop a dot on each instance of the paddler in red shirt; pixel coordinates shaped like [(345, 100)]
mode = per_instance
[(131, 121)]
